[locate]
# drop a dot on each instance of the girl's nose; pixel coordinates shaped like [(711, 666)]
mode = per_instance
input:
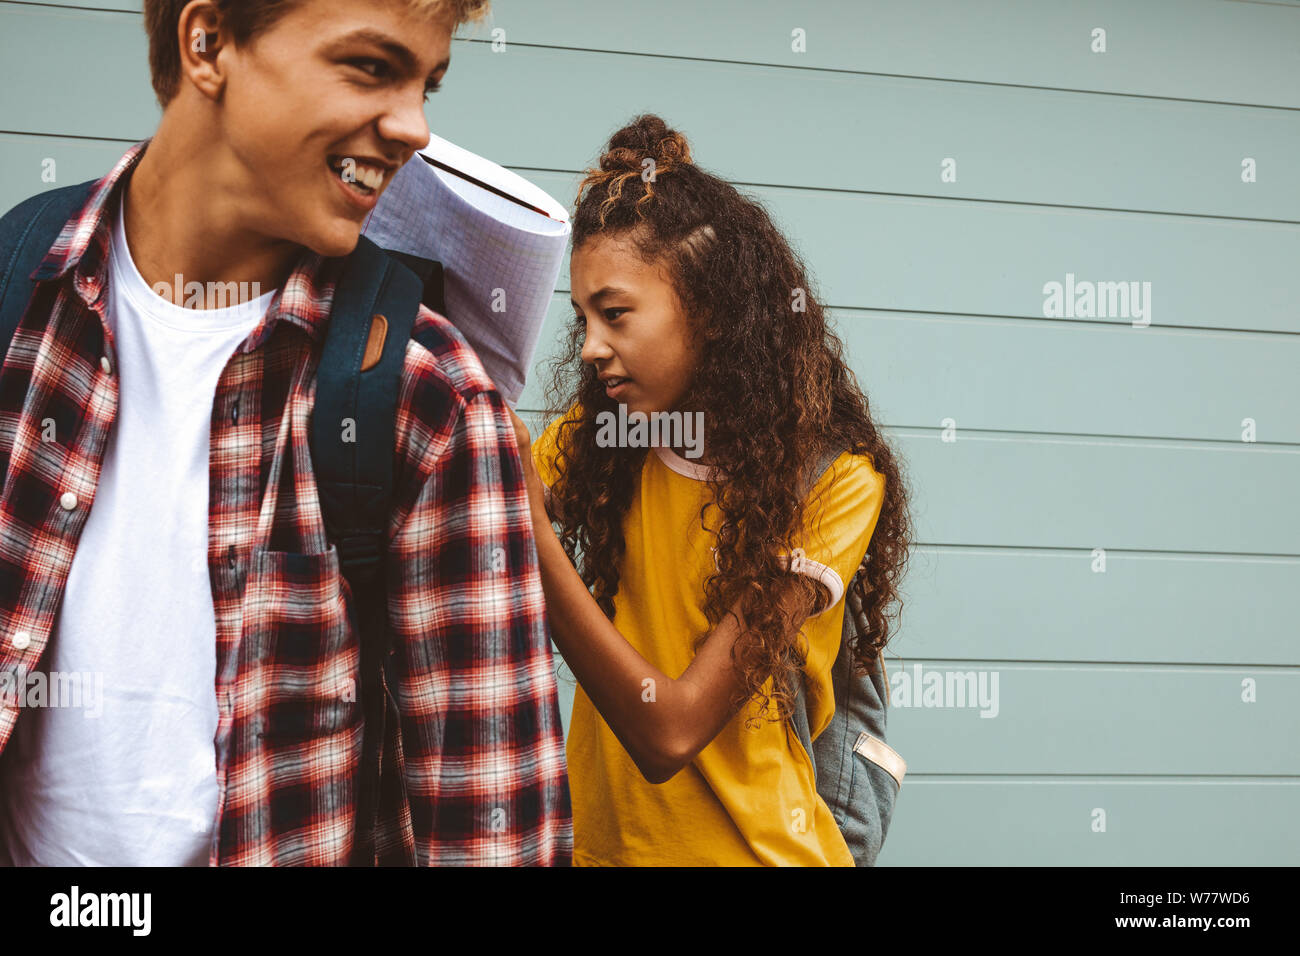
[(594, 348)]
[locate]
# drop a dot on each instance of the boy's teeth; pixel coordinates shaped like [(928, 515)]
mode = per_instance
[(368, 176)]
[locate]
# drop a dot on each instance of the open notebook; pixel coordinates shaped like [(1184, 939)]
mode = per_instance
[(501, 241)]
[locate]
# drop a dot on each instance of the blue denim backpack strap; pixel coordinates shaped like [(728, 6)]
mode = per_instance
[(857, 773), (26, 233), (376, 301)]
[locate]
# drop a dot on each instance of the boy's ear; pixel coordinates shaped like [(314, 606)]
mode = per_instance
[(199, 33)]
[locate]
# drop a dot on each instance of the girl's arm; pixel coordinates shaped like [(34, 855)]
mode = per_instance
[(661, 722)]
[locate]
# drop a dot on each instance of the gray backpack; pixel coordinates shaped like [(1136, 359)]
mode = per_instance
[(857, 773)]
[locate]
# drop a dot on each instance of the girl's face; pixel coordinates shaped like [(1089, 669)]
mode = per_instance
[(636, 328)]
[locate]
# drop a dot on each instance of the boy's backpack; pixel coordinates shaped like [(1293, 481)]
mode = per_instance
[(857, 773), (375, 304)]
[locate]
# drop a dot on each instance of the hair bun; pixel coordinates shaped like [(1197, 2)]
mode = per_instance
[(646, 137)]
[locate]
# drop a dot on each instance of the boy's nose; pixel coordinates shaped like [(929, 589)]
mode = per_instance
[(406, 125)]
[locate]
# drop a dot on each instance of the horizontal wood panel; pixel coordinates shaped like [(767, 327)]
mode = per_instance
[(1034, 491), (981, 259), (1049, 822), (1238, 53), (1051, 605), (1195, 49), (753, 124), (1095, 719), (1047, 375), (38, 44), (129, 6), (1078, 377), (842, 131), (24, 160), (1063, 492)]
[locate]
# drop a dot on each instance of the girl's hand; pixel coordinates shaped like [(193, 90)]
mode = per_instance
[(536, 493), (522, 438)]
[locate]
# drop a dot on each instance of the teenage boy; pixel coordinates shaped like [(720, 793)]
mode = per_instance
[(159, 522)]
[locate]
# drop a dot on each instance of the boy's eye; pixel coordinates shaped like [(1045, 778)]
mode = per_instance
[(362, 63), (380, 69)]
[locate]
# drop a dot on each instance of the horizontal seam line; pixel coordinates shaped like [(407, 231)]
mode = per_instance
[(844, 71), (1029, 204)]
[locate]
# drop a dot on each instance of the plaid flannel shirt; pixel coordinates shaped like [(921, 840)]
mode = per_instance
[(482, 750)]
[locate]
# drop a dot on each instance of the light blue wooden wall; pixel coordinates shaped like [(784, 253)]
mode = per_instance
[(1118, 692)]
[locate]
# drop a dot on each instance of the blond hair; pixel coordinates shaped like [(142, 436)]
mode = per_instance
[(248, 18)]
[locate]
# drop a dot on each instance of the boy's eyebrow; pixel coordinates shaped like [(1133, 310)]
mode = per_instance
[(405, 58), (602, 293)]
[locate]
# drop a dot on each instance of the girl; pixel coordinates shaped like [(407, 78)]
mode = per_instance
[(706, 587)]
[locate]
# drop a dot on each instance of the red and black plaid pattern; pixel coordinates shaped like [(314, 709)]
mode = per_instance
[(482, 756)]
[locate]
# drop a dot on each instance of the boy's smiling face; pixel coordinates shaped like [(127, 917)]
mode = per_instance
[(333, 90), (636, 327)]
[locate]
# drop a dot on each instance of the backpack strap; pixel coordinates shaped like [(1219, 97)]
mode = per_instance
[(430, 272), (26, 234), (353, 431)]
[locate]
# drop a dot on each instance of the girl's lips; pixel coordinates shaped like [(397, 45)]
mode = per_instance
[(613, 391)]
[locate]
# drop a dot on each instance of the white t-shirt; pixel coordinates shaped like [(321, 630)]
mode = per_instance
[(136, 784)]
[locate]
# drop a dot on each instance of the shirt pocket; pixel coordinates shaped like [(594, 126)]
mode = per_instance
[(299, 615)]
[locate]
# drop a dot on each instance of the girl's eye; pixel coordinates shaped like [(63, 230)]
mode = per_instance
[(609, 314), (431, 87)]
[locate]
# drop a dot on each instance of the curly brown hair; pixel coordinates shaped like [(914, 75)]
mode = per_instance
[(737, 279)]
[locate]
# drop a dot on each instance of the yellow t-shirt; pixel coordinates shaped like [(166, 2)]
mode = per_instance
[(749, 797)]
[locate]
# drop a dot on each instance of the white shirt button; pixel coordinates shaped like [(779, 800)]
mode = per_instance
[(105, 364), (22, 639), (68, 500)]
